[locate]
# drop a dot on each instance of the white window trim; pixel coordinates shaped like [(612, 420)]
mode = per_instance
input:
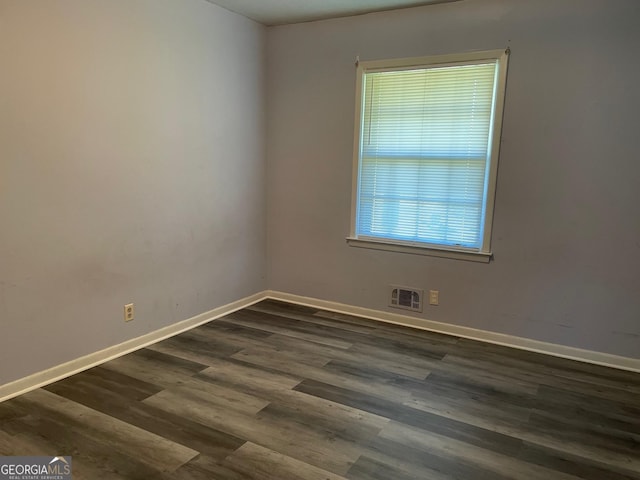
[(420, 249), (483, 254)]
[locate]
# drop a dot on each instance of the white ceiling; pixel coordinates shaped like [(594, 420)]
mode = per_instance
[(279, 12)]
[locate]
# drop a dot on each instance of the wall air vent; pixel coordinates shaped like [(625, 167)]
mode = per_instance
[(406, 298)]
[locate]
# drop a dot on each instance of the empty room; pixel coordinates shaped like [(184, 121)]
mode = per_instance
[(320, 239)]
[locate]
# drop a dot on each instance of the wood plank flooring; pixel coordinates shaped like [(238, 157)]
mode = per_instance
[(278, 391)]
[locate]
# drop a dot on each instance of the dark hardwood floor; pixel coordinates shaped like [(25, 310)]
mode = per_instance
[(280, 392)]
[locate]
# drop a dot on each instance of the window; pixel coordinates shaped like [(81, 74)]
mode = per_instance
[(426, 151)]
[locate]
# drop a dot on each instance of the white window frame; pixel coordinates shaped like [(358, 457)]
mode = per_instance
[(484, 253)]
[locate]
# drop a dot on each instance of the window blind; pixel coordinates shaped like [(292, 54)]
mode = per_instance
[(424, 154)]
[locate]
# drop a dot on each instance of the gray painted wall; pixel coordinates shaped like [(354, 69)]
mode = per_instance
[(131, 170), (132, 144), (566, 234)]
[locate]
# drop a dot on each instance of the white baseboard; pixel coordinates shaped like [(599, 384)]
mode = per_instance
[(26, 384), (588, 356), (67, 369)]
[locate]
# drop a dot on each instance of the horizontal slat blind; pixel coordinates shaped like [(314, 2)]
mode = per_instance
[(423, 154)]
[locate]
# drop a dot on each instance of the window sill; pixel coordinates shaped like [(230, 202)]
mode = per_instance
[(455, 254)]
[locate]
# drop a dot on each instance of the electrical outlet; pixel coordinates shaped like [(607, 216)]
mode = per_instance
[(434, 297), (128, 312)]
